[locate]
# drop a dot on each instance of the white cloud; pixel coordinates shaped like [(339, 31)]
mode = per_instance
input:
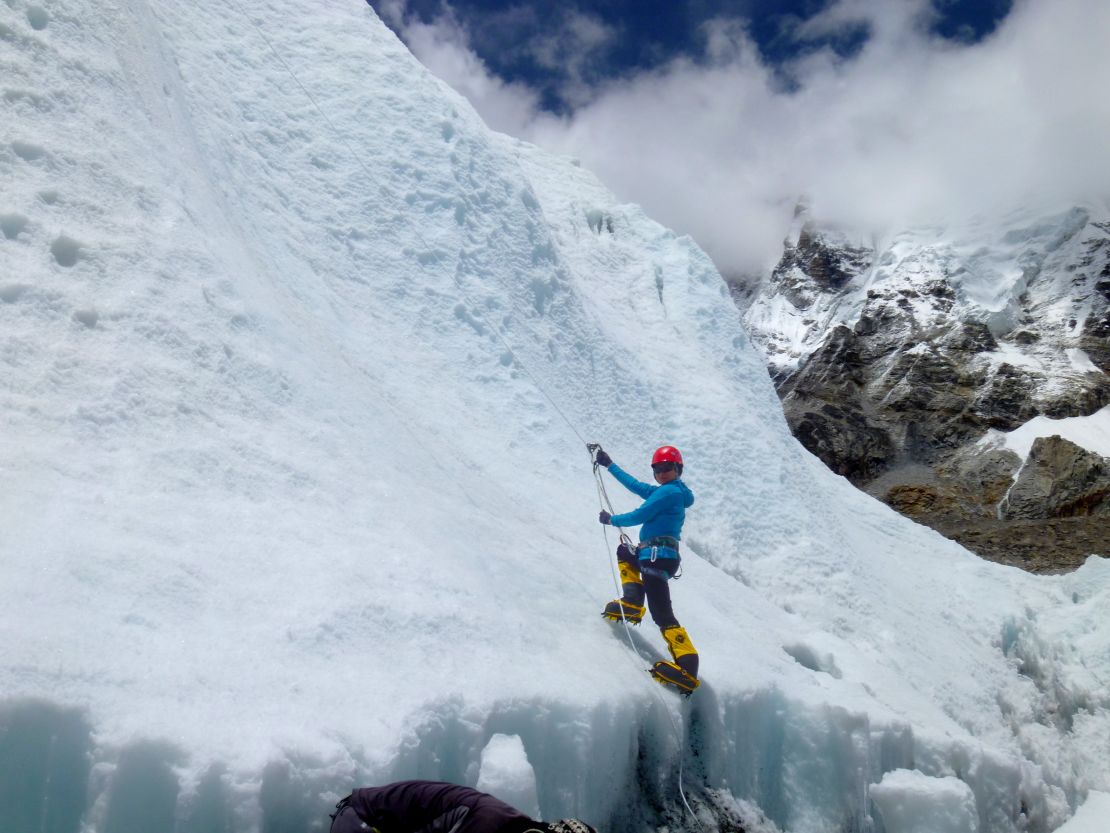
[(571, 45), (913, 127), (444, 47)]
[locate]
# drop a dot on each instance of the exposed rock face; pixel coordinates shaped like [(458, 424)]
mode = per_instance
[(1059, 480), (894, 359), (812, 265), (1042, 546), (1095, 341), (826, 410)]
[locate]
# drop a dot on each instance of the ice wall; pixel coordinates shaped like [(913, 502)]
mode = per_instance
[(296, 356)]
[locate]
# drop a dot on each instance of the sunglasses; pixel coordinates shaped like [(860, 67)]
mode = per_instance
[(659, 468)]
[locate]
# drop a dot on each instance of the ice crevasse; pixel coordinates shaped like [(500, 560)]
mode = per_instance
[(297, 359)]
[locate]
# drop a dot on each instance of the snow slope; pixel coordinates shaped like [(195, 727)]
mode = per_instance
[(1091, 432), (298, 360)]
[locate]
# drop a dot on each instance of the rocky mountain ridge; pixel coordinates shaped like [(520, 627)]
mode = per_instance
[(903, 363)]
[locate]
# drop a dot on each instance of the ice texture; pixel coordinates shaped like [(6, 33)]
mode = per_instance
[(911, 802), (505, 772), (297, 361), (1092, 817)]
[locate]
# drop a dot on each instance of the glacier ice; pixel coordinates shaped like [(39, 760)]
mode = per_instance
[(289, 507)]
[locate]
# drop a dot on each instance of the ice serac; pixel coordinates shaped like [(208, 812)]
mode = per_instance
[(910, 802), (296, 356)]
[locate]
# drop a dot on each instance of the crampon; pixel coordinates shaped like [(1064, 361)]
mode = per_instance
[(669, 674), (619, 610)]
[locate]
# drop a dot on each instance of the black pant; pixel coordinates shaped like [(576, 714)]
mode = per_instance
[(655, 575), (347, 821)]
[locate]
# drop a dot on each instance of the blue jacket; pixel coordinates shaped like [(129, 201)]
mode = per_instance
[(662, 513)]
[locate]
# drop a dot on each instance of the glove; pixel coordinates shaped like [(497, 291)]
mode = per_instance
[(626, 553), (604, 517), (603, 459)]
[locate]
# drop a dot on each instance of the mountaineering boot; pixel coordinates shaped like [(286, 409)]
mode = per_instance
[(670, 674), (683, 652), (683, 672), (631, 604), (618, 610)]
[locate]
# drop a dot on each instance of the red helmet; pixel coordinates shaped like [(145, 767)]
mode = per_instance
[(666, 454)]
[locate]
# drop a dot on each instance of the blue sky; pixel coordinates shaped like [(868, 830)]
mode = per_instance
[(532, 42), (718, 116)]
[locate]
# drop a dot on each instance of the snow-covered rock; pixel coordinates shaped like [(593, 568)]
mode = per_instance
[(896, 357), (298, 360)]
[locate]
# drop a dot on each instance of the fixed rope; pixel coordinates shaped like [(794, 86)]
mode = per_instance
[(603, 496)]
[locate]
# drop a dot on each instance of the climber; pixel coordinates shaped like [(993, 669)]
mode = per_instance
[(437, 807), (646, 569)]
